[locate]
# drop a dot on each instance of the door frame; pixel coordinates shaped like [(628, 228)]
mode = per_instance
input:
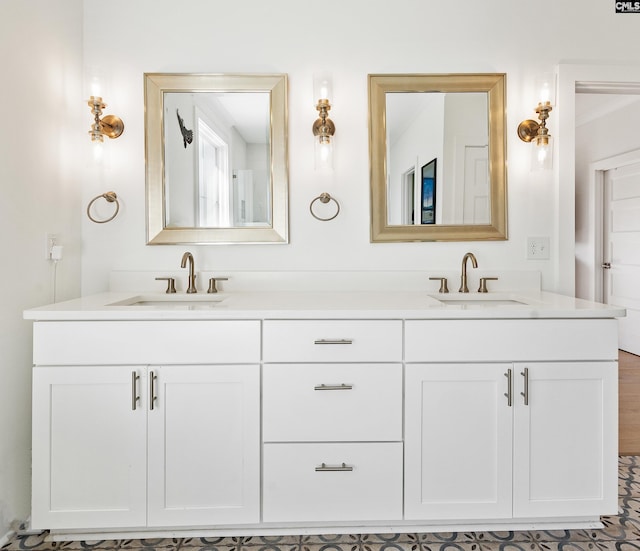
[(596, 215), (617, 77), (408, 195)]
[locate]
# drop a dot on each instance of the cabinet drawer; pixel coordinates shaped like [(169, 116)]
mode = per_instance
[(332, 340), (510, 340), (298, 488), (332, 402), (145, 342)]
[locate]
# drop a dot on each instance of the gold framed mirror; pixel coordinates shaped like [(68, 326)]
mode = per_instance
[(437, 148), (216, 158)]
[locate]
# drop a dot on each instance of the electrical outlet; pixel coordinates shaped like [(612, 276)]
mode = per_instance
[(51, 240), (537, 248)]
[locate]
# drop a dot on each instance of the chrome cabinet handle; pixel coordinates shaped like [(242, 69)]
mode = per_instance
[(509, 394), (333, 387), (135, 398), (336, 468), (152, 390), (333, 341), (525, 394)]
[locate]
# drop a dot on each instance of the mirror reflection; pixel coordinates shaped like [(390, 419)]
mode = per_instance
[(438, 157), (437, 137), (216, 158)]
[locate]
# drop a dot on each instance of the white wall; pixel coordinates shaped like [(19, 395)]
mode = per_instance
[(358, 37), (40, 45)]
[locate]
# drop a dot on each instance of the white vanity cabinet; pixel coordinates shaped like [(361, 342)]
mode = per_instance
[(332, 420), (494, 438), (395, 415), (134, 446)]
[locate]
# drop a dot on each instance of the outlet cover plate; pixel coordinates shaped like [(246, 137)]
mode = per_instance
[(51, 239), (537, 248)]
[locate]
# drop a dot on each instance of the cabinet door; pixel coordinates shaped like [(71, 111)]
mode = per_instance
[(565, 439), (204, 445), (458, 438), (89, 448)]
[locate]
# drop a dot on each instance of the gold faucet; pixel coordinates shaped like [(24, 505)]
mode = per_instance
[(463, 278), (192, 276)]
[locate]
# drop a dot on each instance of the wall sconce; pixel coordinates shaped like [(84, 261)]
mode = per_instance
[(109, 125), (537, 132), (323, 127)]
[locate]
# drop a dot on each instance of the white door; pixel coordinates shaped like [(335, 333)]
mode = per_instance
[(458, 436), (565, 439), (243, 197), (204, 445), (622, 250), (476, 185), (89, 447)]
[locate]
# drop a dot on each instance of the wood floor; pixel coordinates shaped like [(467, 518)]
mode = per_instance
[(629, 404)]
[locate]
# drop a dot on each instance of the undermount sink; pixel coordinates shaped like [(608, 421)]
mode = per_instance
[(479, 300), (177, 301)]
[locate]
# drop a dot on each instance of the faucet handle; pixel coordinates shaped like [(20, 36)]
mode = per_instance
[(483, 283), (212, 283), (443, 284), (171, 284)]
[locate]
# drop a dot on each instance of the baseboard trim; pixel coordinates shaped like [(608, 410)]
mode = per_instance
[(5, 539)]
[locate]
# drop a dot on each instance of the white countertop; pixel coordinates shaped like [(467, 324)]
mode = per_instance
[(323, 305)]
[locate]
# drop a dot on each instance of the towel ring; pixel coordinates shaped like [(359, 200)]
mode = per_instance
[(111, 197), (324, 198)]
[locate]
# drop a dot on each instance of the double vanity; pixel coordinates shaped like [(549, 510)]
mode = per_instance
[(322, 412)]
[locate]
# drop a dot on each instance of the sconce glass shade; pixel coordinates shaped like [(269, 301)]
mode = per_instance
[(542, 153), (546, 88), (97, 151), (323, 154), (322, 87)]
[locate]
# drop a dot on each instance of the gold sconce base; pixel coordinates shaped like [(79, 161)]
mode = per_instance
[(323, 126), (528, 130), (111, 126)]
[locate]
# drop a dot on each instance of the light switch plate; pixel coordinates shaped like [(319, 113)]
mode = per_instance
[(537, 248)]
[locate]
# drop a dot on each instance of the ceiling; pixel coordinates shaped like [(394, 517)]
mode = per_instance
[(591, 106)]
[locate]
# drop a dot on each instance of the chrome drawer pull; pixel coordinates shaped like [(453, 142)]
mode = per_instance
[(134, 390), (525, 394), (333, 341), (152, 391), (333, 387), (324, 468), (509, 394)]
